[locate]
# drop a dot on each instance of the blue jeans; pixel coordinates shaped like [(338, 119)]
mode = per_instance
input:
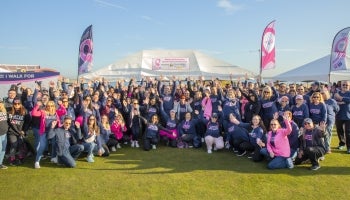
[(68, 158), (3, 143), (277, 162), (53, 147), (89, 147), (328, 136), (40, 144)]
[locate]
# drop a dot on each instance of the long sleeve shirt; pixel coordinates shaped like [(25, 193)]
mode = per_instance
[(278, 143)]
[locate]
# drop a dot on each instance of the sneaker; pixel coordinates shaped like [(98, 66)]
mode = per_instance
[(290, 164), (235, 151), (242, 153), (306, 161), (137, 144), (118, 146), (341, 147), (321, 158), (227, 145), (215, 149), (132, 144), (36, 165), (329, 152), (315, 167), (113, 149), (202, 140), (209, 151), (348, 151), (190, 146), (154, 146), (125, 142), (54, 160), (3, 167), (250, 155), (90, 159)]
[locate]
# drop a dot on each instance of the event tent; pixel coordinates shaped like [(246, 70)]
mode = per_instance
[(179, 63), (317, 70)]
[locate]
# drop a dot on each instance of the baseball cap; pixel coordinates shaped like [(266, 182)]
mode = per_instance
[(307, 120), (299, 97)]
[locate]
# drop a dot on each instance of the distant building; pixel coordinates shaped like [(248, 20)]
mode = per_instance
[(18, 68)]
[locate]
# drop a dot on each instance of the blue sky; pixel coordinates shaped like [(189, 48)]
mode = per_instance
[(47, 32)]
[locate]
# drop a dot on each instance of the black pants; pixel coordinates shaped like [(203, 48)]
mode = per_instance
[(246, 146), (111, 142), (312, 153), (343, 132), (148, 142), (188, 138)]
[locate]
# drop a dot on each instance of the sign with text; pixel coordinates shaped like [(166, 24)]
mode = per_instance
[(171, 64)]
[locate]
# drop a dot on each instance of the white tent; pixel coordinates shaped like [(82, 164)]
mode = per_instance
[(317, 70), (185, 63)]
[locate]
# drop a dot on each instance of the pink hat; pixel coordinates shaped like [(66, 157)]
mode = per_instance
[(299, 97)]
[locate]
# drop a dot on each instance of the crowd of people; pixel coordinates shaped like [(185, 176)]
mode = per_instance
[(285, 124)]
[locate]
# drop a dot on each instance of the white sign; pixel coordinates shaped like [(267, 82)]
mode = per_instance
[(171, 64)]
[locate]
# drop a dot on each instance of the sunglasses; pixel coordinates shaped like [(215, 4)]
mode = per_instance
[(92, 119), (273, 124), (345, 85), (16, 104), (266, 92)]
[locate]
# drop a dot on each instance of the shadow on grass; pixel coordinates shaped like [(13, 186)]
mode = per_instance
[(171, 160)]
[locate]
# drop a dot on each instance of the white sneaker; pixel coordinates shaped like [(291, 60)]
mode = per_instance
[(132, 144), (54, 160), (154, 146), (209, 151), (202, 140), (118, 146), (215, 149), (137, 144), (36, 165), (113, 149)]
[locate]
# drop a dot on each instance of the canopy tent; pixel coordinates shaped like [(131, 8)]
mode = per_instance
[(317, 70), (179, 63)]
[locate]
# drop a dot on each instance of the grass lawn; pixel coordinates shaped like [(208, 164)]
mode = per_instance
[(168, 173)]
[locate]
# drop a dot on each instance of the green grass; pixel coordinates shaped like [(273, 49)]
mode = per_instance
[(168, 173)]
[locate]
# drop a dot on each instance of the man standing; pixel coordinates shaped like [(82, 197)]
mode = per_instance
[(342, 121)]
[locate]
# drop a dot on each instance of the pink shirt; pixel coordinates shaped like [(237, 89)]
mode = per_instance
[(281, 147)]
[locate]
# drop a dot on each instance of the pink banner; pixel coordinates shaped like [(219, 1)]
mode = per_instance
[(339, 57), (268, 47)]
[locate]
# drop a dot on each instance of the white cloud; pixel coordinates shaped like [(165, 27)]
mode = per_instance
[(107, 4), (228, 6)]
